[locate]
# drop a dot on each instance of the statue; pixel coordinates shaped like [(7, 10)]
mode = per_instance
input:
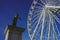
[(15, 20)]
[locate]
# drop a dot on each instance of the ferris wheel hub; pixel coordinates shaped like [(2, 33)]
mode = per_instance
[(53, 9)]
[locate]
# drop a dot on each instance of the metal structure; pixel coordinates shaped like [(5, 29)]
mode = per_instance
[(43, 20)]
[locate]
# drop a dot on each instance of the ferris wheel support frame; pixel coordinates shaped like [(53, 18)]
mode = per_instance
[(52, 6)]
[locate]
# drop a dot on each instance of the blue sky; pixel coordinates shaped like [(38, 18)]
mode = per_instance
[(8, 9)]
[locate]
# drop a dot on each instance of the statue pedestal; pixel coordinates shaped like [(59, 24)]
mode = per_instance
[(13, 33)]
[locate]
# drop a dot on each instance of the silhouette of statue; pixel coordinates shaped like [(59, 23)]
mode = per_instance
[(15, 20)]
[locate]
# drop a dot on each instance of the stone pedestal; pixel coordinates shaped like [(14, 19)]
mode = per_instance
[(13, 33)]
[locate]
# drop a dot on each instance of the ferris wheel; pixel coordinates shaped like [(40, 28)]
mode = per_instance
[(43, 20)]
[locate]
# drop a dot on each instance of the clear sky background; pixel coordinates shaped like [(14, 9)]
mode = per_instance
[(8, 9)]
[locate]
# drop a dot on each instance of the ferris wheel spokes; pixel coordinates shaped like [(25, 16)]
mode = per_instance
[(36, 26), (56, 18), (49, 27), (38, 23), (55, 37), (42, 24), (57, 29)]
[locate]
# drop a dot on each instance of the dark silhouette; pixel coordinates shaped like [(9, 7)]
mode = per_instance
[(15, 19)]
